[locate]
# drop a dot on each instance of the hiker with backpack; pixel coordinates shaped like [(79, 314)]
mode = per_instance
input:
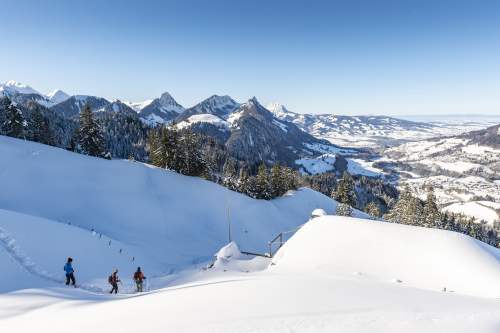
[(139, 279), (70, 272), (113, 280)]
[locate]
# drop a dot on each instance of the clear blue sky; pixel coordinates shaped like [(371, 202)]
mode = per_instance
[(350, 57)]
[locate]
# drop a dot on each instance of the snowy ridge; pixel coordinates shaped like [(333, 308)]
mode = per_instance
[(368, 131), (393, 253), (12, 86)]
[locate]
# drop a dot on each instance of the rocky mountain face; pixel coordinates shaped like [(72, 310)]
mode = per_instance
[(219, 106), (161, 110), (252, 133), (118, 107)]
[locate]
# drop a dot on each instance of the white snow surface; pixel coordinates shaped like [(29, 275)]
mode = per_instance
[(481, 210), (336, 245), (335, 274), (326, 163), (311, 287), (203, 118), (317, 165)]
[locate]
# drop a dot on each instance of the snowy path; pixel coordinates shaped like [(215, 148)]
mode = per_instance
[(13, 250)]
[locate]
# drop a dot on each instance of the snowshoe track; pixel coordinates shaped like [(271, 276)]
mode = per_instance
[(13, 250)]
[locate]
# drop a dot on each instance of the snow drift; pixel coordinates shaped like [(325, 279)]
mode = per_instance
[(414, 256)]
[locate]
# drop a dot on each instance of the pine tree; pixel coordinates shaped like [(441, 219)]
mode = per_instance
[(372, 209), (277, 184), (262, 183), (190, 158), (345, 190), (14, 124), (343, 210), (38, 127), (156, 151), (229, 174), (242, 186), (400, 212), (90, 139), (171, 149), (4, 105), (432, 216)]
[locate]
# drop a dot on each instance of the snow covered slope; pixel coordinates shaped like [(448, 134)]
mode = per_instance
[(313, 287), (413, 256), (33, 251), (329, 163), (177, 221)]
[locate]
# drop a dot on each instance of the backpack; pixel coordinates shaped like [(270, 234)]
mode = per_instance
[(138, 276), (110, 279)]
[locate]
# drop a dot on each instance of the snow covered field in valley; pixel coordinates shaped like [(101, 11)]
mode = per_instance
[(335, 274)]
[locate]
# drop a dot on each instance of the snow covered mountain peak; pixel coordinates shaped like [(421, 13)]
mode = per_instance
[(159, 110), (217, 101), (167, 101), (220, 106), (57, 96), (12, 86)]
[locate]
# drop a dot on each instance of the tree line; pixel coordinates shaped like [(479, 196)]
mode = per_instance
[(410, 210), (194, 154)]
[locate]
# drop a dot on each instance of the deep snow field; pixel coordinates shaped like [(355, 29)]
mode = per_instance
[(335, 274)]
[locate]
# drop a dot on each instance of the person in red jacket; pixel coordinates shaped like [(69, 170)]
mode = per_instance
[(139, 279)]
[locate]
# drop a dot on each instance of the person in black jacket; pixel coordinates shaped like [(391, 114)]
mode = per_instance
[(113, 281)]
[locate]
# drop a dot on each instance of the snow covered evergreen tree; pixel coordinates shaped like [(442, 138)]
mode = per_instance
[(189, 157), (38, 127), (345, 190), (14, 124), (431, 213), (156, 152), (401, 212), (262, 183), (343, 210), (229, 174), (372, 209), (277, 180), (90, 139)]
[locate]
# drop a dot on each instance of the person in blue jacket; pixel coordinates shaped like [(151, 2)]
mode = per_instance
[(70, 276)]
